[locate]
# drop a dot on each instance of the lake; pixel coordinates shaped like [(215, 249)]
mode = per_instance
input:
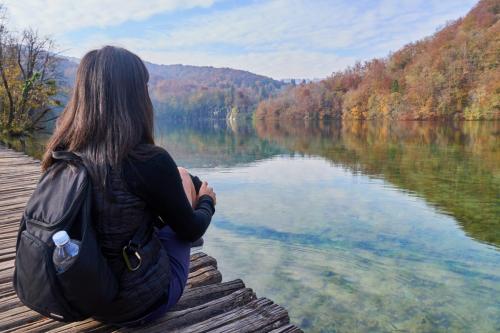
[(353, 226)]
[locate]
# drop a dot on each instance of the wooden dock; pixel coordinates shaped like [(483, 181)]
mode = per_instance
[(207, 305)]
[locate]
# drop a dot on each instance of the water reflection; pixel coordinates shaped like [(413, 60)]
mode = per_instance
[(211, 143), (453, 166)]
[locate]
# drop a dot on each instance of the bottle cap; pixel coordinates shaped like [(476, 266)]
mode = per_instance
[(60, 238)]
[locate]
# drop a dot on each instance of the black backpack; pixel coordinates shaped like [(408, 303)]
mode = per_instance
[(62, 201)]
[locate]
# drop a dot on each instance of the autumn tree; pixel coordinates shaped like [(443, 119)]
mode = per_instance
[(28, 79)]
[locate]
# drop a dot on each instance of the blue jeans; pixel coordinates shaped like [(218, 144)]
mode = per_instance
[(178, 252)]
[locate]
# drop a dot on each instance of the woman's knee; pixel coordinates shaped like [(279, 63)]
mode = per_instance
[(187, 182), (186, 178), (183, 171)]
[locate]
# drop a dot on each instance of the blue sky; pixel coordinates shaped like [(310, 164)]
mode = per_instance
[(277, 38)]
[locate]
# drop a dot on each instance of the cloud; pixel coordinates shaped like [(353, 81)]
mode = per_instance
[(278, 38), (59, 16), (318, 25)]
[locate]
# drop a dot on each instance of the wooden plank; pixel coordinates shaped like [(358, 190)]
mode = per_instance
[(183, 318), (6, 289), (16, 184), (14, 202), (12, 208), (8, 256), (14, 195), (41, 325), (9, 302), (204, 276), (11, 216), (17, 316), (260, 315), (8, 228), (6, 265), (8, 235), (195, 296), (201, 261), (8, 244), (88, 325), (6, 275)]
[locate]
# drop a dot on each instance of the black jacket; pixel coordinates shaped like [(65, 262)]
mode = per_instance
[(144, 190), (118, 214)]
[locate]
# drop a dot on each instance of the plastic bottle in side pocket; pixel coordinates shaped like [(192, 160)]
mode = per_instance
[(65, 252)]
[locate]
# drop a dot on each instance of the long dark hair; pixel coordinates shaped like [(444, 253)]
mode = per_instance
[(109, 112)]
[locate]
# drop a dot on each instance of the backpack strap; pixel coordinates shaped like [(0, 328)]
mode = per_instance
[(65, 155), (141, 236)]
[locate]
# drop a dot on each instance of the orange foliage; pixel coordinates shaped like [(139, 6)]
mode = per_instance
[(452, 75)]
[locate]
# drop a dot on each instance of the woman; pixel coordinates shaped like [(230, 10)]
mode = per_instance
[(109, 123)]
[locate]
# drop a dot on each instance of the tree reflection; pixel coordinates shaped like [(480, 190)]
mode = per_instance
[(454, 166)]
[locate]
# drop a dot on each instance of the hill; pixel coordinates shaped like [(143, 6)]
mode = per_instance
[(181, 91), (453, 74)]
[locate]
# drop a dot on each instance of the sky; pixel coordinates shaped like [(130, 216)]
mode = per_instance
[(277, 38)]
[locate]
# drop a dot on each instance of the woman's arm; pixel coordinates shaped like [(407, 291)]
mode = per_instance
[(158, 182)]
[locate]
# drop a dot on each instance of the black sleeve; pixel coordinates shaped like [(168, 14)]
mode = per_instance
[(158, 182)]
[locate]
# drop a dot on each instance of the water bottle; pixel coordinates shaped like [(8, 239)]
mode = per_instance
[(65, 252)]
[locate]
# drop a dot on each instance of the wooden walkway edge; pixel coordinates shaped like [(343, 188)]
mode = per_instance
[(207, 305)]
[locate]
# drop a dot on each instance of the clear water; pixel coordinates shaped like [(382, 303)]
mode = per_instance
[(355, 227)]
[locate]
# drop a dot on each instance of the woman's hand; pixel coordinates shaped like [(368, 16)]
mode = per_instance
[(207, 190)]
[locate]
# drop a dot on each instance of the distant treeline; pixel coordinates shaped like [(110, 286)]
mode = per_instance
[(453, 74)]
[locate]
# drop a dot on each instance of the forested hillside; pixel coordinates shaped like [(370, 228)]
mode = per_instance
[(453, 74), (180, 91), (192, 91)]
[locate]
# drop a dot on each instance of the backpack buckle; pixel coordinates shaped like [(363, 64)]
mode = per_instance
[(128, 249)]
